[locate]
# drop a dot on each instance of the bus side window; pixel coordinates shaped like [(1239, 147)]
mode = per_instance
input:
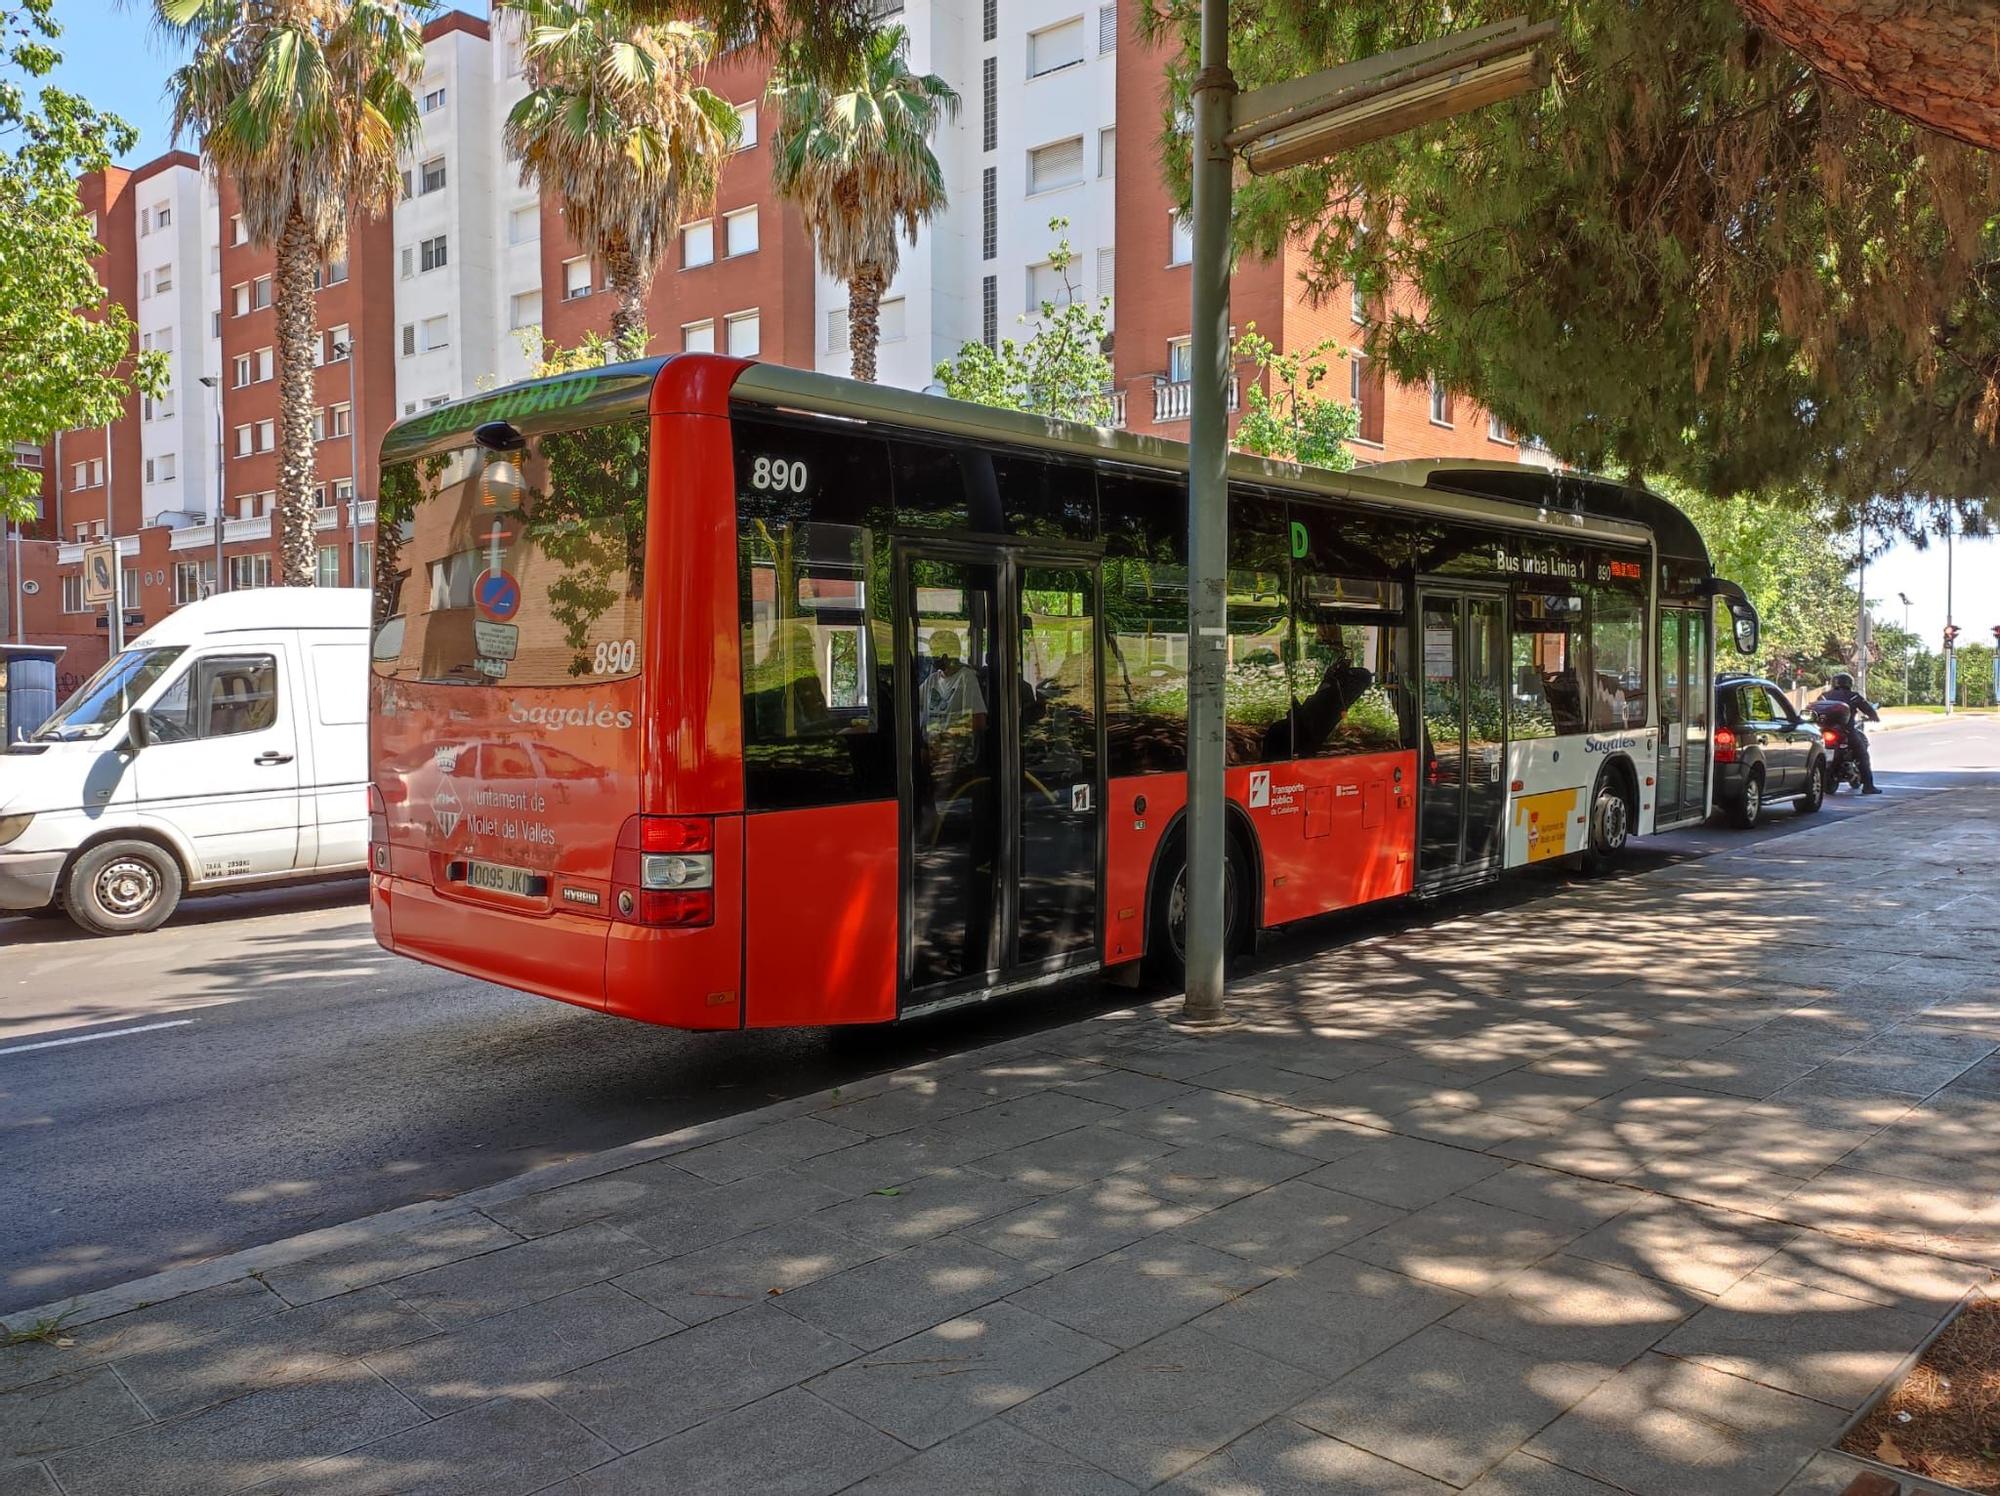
[(1618, 660), (1046, 500), (1349, 687), (1257, 690), (930, 487), (1144, 523)]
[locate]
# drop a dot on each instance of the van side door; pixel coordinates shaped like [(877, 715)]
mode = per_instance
[(223, 767), (337, 796)]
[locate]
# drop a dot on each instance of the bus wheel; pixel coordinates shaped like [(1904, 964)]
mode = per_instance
[(122, 888), (1166, 919), (1610, 826)]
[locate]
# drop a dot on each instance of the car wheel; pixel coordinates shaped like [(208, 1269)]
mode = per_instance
[(1166, 924), (1610, 828), (1815, 795), (1749, 805), (122, 888)]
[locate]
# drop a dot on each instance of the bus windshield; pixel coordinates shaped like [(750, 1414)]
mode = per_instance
[(519, 568), (101, 702)]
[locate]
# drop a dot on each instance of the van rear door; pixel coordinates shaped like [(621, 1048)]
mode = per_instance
[(223, 766)]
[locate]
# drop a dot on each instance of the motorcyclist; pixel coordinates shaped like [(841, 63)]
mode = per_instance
[(1842, 690)]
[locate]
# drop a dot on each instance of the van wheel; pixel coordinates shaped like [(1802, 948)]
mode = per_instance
[(1610, 827), (1166, 918), (122, 888)]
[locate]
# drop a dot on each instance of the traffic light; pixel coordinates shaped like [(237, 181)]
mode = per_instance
[(1996, 636), (1951, 635)]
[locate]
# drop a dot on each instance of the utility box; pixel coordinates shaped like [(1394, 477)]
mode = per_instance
[(27, 688)]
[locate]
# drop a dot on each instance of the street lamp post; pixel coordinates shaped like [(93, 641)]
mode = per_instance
[(1861, 622), (1286, 124), (214, 382), (1907, 641), (1950, 651), (353, 465)]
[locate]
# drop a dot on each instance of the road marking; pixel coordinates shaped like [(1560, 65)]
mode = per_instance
[(144, 1028)]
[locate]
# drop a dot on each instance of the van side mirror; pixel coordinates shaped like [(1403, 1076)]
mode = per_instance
[(138, 730)]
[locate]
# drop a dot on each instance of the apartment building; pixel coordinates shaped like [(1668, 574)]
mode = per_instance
[(451, 291)]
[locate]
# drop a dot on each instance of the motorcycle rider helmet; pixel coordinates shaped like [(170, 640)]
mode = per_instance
[(1843, 681)]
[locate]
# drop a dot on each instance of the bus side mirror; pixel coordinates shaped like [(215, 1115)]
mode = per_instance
[(138, 730), (1746, 633)]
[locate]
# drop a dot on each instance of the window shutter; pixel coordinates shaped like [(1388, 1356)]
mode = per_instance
[(1107, 270), (1057, 165), (1107, 29), (836, 329), (409, 336)]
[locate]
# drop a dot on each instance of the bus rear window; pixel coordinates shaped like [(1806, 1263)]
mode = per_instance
[(515, 568)]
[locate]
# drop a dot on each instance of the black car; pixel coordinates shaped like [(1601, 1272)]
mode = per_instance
[(1764, 751)]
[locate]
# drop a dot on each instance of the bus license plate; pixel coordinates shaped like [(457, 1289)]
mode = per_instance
[(496, 877)]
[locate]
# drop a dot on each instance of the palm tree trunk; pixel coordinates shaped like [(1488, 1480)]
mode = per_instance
[(298, 533), (633, 287), (864, 320)]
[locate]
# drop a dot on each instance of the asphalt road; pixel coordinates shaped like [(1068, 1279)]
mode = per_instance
[(264, 1069)]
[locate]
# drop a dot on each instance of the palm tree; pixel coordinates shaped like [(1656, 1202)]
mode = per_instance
[(617, 127), (854, 154), (305, 106)]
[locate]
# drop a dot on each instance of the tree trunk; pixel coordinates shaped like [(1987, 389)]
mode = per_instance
[(632, 285), (864, 320), (298, 325), (1933, 62)]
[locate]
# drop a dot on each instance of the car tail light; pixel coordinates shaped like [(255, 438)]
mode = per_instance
[(378, 830), (1830, 738), (663, 872), (1725, 746)]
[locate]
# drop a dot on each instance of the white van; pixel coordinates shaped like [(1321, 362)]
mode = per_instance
[(226, 746)]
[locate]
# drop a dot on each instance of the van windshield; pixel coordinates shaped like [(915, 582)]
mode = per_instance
[(515, 569), (101, 702)]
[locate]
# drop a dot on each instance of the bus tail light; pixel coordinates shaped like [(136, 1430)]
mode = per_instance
[(664, 871), (378, 830), (1725, 746)]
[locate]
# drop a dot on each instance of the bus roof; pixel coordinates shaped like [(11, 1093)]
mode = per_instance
[(1515, 495)]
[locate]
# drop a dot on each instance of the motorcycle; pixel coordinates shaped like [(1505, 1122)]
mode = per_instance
[(1835, 721)]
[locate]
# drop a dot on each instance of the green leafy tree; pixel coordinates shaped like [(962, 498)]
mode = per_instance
[(65, 347), (852, 151), (1294, 420), (1061, 369), (617, 126), (305, 106), (1691, 254)]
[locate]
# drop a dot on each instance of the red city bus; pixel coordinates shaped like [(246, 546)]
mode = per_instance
[(722, 695)]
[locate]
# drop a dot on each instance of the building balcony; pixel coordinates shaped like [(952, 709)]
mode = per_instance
[(1173, 399), (1118, 410)]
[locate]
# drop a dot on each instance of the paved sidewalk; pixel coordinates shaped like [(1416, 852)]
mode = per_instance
[(1644, 1187)]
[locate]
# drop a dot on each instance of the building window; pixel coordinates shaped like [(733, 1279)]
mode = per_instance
[(160, 469), (1496, 430), (1180, 240), (334, 421), (343, 490), (1107, 29), (747, 114), (409, 262), (1357, 307), (433, 100), (526, 310), (1440, 404), (432, 402), (432, 252), (697, 244), (744, 333), (409, 339), (367, 555), (267, 435), (1180, 360), (245, 441), (237, 233), (1107, 271), (246, 572), (239, 298), (989, 207), (437, 333), (157, 407), (72, 588), (989, 103), (576, 277), (1369, 392), (739, 232), (889, 320), (326, 569), (1055, 166), (1047, 286), (145, 285), (1055, 47), (215, 324), (989, 311), (1107, 151), (524, 225), (698, 337), (989, 26), (163, 278), (338, 343), (193, 581), (433, 176), (332, 273), (260, 293)]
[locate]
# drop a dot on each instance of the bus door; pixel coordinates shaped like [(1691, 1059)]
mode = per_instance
[(1000, 768), (1687, 697), (1463, 652)]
